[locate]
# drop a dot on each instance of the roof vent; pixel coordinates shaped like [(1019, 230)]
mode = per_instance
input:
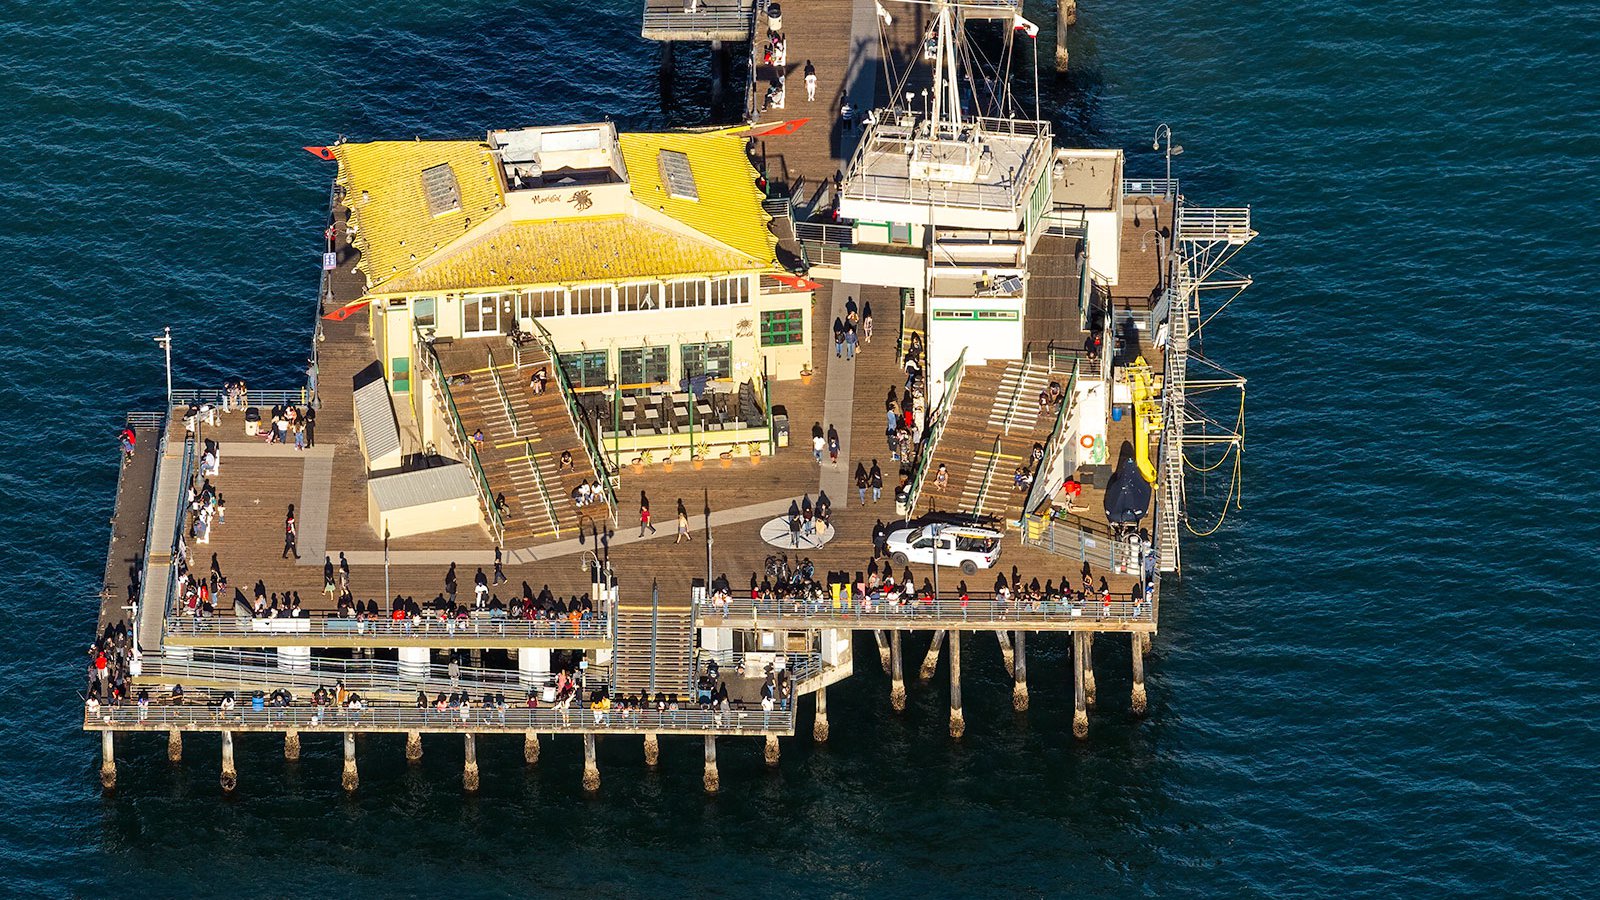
[(440, 188), (676, 176)]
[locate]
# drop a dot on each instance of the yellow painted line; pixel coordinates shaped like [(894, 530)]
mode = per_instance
[(500, 368), (997, 455)]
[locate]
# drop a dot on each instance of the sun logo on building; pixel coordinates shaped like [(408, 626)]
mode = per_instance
[(582, 200)]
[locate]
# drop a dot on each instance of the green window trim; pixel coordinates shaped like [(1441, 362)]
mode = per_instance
[(783, 327)]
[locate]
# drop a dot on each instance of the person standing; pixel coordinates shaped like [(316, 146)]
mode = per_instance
[(811, 82), (838, 337), (450, 583), (683, 527), (850, 342), (876, 477), (291, 535), (311, 427), (817, 445), (644, 515), (499, 570), (862, 481), (880, 537), (833, 446), (327, 575)]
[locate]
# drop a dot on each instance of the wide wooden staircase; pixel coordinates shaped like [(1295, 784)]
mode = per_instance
[(993, 423), (524, 436), (654, 650)]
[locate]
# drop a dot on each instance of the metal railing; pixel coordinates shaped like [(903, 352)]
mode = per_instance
[(800, 666), (580, 422), (246, 672), (254, 397), (821, 243), (893, 142), (544, 490), (706, 18), (175, 547), (1055, 445), (980, 611), (1205, 225), (424, 630), (577, 719), (935, 431), (143, 419), (429, 359), (1063, 539), (1156, 187), (500, 390)]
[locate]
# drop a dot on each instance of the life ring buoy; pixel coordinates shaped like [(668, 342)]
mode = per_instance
[(1086, 442)]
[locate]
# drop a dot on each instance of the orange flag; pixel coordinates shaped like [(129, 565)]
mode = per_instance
[(346, 311), (798, 282), (320, 152), (777, 129)]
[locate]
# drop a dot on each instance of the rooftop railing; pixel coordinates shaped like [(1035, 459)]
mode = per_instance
[(979, 611), (326, 625)]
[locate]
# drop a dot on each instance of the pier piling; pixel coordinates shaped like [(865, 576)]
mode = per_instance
[(930, 663), (958, 721), (591, 769), (174, 745), (1006, 652), (230, 775), (666, 58), (883, 649), (108, 760), (1066, 17), (1140, 701), (413, 746), (351, 778), (897, 682), (291, 745), (652, 749), (771, 752), (719, 64), (1019, 671), (530, 748), (1080, 709), (819, 730), (469, 770), (1088, 669), (713, 783)]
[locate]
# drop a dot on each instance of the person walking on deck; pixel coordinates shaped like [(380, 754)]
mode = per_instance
[(499, 570), (327, 576), (644, 515), (876, 477), (811, 82), (833, 446), (291, 535), (683, 527)]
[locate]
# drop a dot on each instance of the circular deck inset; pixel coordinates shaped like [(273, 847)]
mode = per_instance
[(776, 532)]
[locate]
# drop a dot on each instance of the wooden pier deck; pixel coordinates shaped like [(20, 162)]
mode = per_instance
[(130, 523)]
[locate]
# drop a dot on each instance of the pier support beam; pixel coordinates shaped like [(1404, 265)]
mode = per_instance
[(958, 721), (591, 769), (108, 760), (897, 681), (351, 779), (230, 775), (1006, 652), (1066, 17), (469, 770), (819, 729), (1140, 701), (666, 57), (174, 746), (771, 751), (652, 749), (1080, 708), (413, 746), (719, 65), (883, 649), (291, 745), (1145, 640), (930, 663), (1088, 669), (712, 781), (530, 748), (1019, 671)]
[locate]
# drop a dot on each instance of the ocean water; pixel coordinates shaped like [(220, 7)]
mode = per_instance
[(1376, 679)]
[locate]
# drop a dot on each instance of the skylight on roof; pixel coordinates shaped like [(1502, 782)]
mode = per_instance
[(441, 190), (676, 176)]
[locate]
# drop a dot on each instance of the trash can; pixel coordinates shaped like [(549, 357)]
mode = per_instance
[(774, 17), (780, 425), (252, 422)]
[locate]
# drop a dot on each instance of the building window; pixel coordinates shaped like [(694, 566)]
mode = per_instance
[(640, 367), (591, 300), (585, 369), (899, 233), (422, 312), (538, 304), (714, 359), (632, 297), (684, 294), (783, 327), (730, 291), (480, 315)]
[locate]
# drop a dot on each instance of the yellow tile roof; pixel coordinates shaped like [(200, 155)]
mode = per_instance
[(729, 208), (528, 254), (396, 231)]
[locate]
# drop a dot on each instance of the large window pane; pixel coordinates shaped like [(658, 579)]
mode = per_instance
[(714, 359), (782, 327), (640, 367), (585, 368)]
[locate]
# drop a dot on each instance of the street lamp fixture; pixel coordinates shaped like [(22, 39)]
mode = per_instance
[(1172, 149)]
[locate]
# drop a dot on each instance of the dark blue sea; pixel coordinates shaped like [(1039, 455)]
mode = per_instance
[(1377, 679)]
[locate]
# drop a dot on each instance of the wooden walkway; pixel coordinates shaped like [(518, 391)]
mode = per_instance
[(130, 522)]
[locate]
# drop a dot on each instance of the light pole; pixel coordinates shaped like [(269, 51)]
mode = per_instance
[(1172, 149), (164, 340)]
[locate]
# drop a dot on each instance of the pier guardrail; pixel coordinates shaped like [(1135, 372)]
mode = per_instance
[(1156, 187), (477, 627), (247, 671), (578, 719), (979, 612), (254, 397)]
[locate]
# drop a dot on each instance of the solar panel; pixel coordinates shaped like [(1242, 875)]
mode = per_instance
[(440, 188), (676, 175)]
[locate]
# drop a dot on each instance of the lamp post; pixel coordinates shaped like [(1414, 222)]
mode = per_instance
[(1172, 149), (164, 340)]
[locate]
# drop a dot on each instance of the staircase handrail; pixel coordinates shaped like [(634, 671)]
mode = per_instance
[(500, 389), (458, 435), (935, 432), (597, 461), (544, 490)]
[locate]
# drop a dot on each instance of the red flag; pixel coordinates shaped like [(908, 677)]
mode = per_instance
[(777, 129), (346, 311), (320, 152), (797, 282)]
